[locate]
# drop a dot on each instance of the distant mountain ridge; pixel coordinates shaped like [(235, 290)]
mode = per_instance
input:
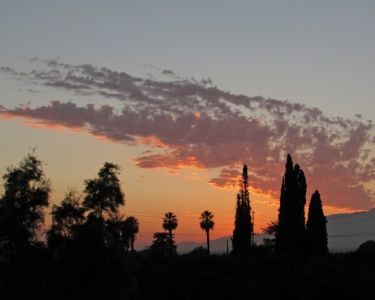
[(346, 232), (218, 246)]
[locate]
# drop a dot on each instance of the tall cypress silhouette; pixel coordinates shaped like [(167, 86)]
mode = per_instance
[(316, 226), (291, 233), (243, 227)]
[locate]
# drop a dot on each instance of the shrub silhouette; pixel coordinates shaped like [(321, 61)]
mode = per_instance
[(367, 249), (163, 244), (270, 229), (199, 251)]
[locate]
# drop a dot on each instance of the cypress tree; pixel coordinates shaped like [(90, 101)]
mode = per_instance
[(243, 227), (291, 233), (316, 226)]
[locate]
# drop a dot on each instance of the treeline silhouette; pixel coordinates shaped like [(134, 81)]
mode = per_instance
[(88, 252)]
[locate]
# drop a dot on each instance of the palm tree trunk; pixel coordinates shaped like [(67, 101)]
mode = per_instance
[(170, 241), (132, 245), (208, 241)]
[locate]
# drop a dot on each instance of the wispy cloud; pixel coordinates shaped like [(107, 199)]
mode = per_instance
[(193, 123)]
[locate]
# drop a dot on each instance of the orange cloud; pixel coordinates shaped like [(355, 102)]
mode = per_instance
[(190, 124)]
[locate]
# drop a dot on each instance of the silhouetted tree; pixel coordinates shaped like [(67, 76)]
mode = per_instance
[(316, 226), (271, 228), (169, 224), (103, 193), (66, 217), (163, 244), (115, 237), (102, 199), (207, 223), (243, 227), (26, 194), (291, 233), (367, 249), (130, 229)]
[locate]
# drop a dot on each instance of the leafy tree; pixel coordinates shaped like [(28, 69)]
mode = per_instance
[(122, 232), (270, 229), (207, 223), (316, 226), (114, 232), (26, 194), (66, 218), (169, 224), (102, 198), (243, 227), (103, 193), (130, 229), (291, 233), (162, 244)]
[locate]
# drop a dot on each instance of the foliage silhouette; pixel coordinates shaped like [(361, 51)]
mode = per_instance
[(102, 201), (316, 227), (90, 260), (291, 233), (103, 193), (207, 223), (199, 251), (270, 229), (116, 237), (130, 229), (367, 249), (66, 218), (243, 227), (169, 224), (26, 194), (163, 244)]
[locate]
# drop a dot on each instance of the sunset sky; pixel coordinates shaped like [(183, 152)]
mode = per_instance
[(181, 93)]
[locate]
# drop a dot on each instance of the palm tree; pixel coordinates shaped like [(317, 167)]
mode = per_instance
[(131, 228), (207, 224), (170, 224)]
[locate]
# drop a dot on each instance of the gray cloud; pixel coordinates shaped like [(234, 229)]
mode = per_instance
[(192, 123), (228, 178), (168, 72)]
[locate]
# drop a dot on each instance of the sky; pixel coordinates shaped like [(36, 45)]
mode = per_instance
[(181, 93)]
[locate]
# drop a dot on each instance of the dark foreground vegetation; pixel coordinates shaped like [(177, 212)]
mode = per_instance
[(88, 251), (41, 274)]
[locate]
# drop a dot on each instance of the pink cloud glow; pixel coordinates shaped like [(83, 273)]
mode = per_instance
[(193, 124)]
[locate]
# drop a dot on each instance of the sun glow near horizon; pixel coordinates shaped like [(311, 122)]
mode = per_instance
[(149, 192)]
